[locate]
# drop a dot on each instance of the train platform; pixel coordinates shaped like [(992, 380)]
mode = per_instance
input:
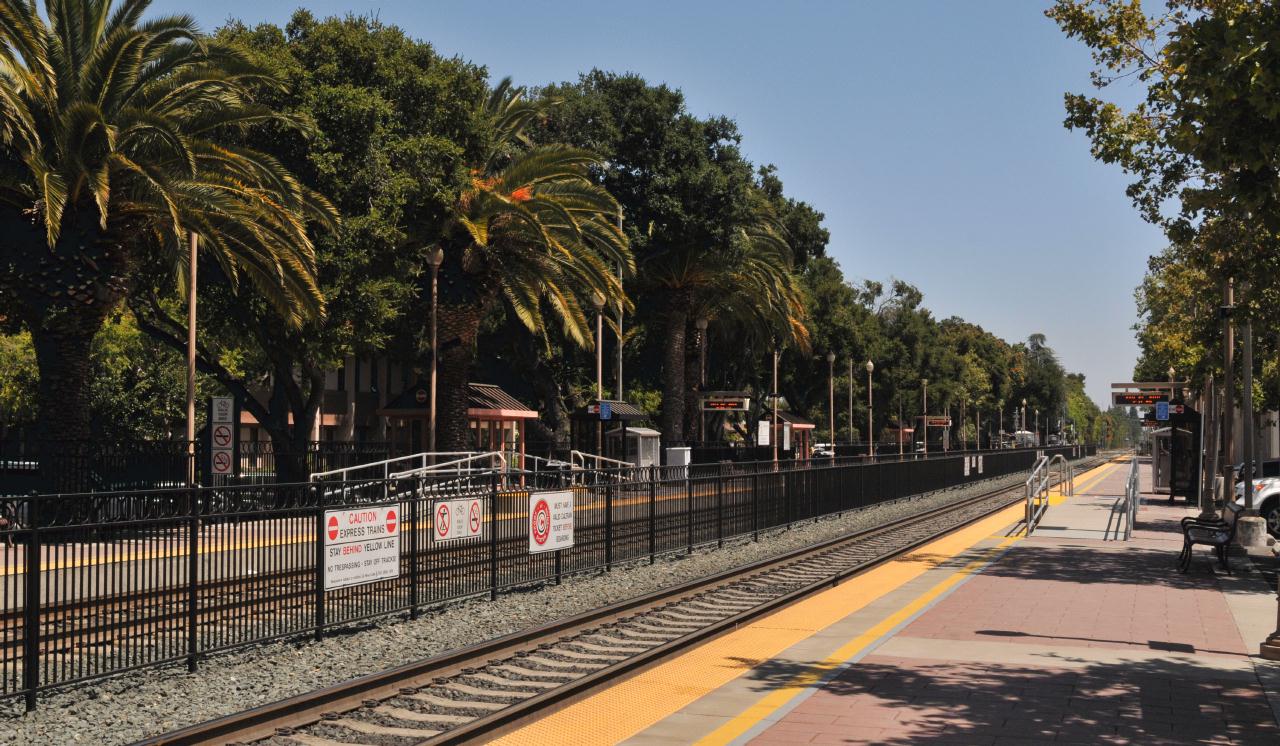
[(985, 636)]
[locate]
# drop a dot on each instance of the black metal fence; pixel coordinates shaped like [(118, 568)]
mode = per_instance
[(101, 583), (160, 464)]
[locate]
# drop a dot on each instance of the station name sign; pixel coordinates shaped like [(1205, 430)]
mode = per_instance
[(1137, 398)]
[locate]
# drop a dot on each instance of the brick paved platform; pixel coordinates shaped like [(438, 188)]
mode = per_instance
[(1066, 639)]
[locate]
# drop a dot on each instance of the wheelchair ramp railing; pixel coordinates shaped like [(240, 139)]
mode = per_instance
[(1125, 509), (1041, 481)]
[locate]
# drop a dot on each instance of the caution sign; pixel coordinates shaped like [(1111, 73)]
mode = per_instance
[(452, 520), (550, 521), (361, 545)]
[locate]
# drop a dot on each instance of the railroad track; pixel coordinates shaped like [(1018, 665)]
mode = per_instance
[(475, 692)]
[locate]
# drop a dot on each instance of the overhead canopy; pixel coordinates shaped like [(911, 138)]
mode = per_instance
[(485, 401), (618, 410), (797, 422)]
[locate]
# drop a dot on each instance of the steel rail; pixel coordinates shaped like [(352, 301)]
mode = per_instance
[(308, 708)]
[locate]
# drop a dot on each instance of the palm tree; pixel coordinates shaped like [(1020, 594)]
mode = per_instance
[(749, 282), (118, 141), (531, 231)]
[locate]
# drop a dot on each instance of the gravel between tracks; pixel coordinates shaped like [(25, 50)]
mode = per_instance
[(128, 707)]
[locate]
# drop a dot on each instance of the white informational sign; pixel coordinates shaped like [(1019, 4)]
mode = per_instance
[(361, 545), (457, 519), (979, 464), (763, 428), (222, 435), (967, 461), (550, 521), (786, 436)]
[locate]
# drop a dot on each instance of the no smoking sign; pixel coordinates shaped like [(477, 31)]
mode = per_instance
[(453, 520)]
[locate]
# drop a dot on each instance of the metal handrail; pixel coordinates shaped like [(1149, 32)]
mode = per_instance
[(422, 458), (578, 460), (458, 466), (1038, 484)]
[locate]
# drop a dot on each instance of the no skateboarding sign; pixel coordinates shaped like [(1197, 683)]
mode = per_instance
[(361, 545), (550, 521), (457, 519)]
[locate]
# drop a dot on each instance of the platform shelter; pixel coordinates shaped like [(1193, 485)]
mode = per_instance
[(497, 419)]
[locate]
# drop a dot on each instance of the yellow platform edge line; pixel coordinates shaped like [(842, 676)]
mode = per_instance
[(631, 706), (780, 697)]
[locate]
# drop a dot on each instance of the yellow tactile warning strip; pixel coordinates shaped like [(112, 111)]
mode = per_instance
[(629, 707)]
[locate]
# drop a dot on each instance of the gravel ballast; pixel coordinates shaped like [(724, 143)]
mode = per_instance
[(151, 701)]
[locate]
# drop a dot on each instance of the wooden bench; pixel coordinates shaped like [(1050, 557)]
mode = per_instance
[(1217, 533)]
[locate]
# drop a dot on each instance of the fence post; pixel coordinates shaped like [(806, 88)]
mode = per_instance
[(755, 506), (319, 571), (31, 606), (493, 540), (653, 518), (720, 512), (608, 527), (414, 511), (688, 499), (193, 574)]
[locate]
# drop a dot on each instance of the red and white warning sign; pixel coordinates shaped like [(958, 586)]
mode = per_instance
[(361, 545), (550, 520), (457, 519)]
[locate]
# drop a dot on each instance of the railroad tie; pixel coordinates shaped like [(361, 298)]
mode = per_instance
[(493, 679), (373, 729), (460, 704), (401, 713), (476, 691), (302, 739)]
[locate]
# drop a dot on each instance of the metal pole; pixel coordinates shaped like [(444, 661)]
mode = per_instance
[(850, 399), (871, 443), (599, 302), (436, 258), (831, 402), (924, 415), (1228, 392), (1246, 404), (620, 313), (776, 436), (191, 362)]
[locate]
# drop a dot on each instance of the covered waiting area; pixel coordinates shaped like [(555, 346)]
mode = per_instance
[(497, 419)]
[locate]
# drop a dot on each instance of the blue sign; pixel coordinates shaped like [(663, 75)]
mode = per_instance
[(606, 410), (1162, 410)]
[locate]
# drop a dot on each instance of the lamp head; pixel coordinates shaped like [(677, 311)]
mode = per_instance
[(831, 357), (870, 366)]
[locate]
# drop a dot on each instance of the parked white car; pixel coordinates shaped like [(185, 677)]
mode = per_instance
[(1266, 498)]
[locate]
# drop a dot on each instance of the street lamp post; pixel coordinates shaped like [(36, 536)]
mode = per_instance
[(702, 324), (1023, 426), (924, 415), (191, 362), (598, 301), (1037, 411), (871, 443), (851, 399), (435, 259), (776, 436), (831, 393)]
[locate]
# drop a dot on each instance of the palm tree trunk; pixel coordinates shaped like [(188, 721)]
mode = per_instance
[(673, 370), (458, 328), (62, 346)]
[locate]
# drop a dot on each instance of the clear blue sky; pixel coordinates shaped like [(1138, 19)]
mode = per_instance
[(930, 133)]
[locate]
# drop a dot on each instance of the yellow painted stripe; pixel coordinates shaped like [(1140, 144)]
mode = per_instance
[(779, 698), (629, 707)]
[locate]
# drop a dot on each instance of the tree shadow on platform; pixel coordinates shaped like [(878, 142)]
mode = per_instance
[(1129, 565), (921, 701)]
